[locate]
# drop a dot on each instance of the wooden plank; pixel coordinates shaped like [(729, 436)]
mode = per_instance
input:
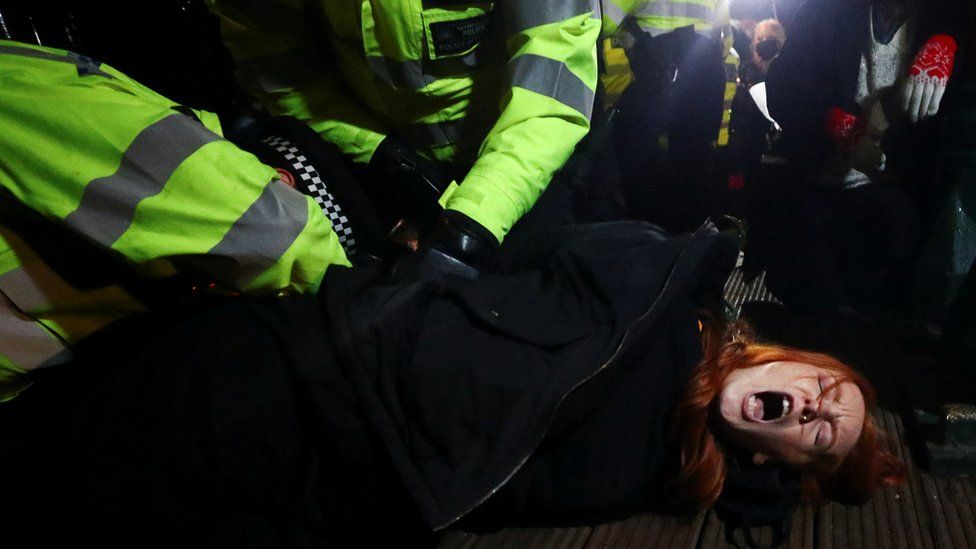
[(825, 526), (713, 532), (693, 531), (969, 489), (940, 524), (957, 490), (571, 538), (456, 539), (892, 507), (797, 529), (641, 531), (763, 535), (648, 530), (809, 526), (839, 527), (871, 532), (951, 512), (666, 534), (604, 535), (899, 532), (855, 537), (917, 511)]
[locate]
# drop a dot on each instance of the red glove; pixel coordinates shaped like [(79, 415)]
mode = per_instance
[(928, 77), (845, 129), (850, 134)]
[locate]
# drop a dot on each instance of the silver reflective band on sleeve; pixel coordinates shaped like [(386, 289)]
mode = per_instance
[(398, 74), (26, 343), (553, 79), (263, 233), (523, 15), (22, 289), (414, 74), (108, 204), (613, 13), (85, 65), (663, 8)]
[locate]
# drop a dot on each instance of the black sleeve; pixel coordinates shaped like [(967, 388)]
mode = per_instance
[(816, 70)]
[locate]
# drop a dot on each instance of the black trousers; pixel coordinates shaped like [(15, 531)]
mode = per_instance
[(852, 248), (662, 137)]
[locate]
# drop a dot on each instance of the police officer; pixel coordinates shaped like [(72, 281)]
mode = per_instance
[(156, 192), (496, 93), (677, 108)]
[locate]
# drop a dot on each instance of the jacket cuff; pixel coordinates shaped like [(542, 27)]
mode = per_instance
[(484, 201)]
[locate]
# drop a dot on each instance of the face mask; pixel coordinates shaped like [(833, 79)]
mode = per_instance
[(767, 49)]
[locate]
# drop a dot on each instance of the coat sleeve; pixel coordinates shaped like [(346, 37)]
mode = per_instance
[(282, 67), (806, 79), (153, 186), (545, 109)]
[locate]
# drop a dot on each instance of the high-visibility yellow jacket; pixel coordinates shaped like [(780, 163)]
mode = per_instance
[(656, 17), (94, 151), (731, 85), (504, 87)]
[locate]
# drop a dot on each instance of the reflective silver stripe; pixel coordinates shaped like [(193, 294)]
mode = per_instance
[(664, 8), (553, 79), (613, 13), (85, 65), (414, 75), (654, 30), (23, 290), (257, 240), (26, 343), (109, 203), (398, 74), (523, 15), (441, 133)]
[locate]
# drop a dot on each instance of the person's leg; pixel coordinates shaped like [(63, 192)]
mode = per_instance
[(800, 258), (234, 428), (877, 230)]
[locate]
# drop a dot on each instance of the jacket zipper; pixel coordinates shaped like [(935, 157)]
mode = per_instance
[(623, 341)]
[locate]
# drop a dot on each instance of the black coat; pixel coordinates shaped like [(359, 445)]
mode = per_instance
[(381, 408), (578, 317)]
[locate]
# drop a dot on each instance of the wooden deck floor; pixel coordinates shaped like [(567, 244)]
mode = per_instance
[(927, 512)]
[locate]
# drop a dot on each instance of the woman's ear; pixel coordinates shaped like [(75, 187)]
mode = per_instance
[(760, 458)]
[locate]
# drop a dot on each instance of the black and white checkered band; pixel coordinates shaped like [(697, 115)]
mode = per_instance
[(311, 180)]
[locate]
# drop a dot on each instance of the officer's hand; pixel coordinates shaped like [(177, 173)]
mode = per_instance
[(412, 183), (456, 245)]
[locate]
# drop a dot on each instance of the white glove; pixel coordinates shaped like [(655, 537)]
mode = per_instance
[(927, 78)]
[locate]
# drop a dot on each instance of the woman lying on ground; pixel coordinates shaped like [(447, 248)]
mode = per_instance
[(381, 409)]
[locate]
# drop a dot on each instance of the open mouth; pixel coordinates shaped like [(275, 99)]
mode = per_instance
[(767, 406)]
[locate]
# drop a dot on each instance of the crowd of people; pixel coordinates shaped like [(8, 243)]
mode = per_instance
[(430, 262)]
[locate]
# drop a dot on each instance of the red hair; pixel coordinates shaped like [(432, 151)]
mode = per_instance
[(703, 462)]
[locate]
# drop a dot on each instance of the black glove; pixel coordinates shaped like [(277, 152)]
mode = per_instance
[(409, 183), (456, 245)]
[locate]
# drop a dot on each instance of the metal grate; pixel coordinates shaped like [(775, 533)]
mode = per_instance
[(737, 291)]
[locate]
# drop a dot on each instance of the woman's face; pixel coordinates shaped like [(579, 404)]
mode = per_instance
[(792, 412)]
